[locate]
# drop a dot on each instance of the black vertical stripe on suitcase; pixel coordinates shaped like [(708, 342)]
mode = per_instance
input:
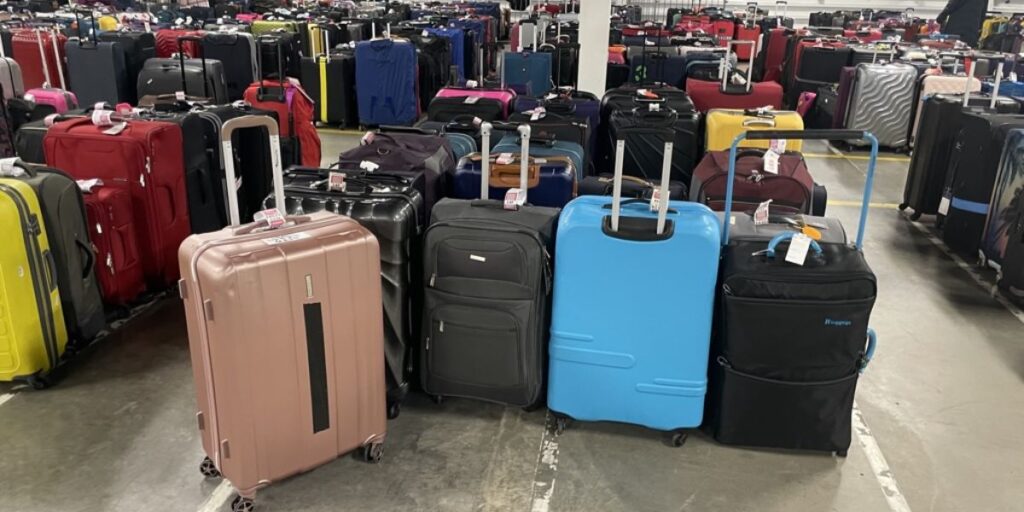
[(315, 351), (342, 109)]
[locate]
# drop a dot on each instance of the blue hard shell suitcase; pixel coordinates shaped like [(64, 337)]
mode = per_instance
[(614, 357), (386, 81), (511, 144), (555, 187), (527, 73)]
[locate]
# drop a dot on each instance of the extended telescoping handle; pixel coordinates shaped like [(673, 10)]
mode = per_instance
[(202, 64), (967, 84), (524, 160), (56, 57), (804, 135), (725, 62), (249, 121), (995, 87), (42, 55), (485, 162), (666, 174), (92, 27)]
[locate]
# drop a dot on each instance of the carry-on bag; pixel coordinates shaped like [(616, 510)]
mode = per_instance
[(145, 158), (527, 73), (542, 146), (63, 216), (330, 79), (202, 79), (723, 125), (301, 381), (386, 81), (487, 272), (708, 95), (939, 84), (168, 44), (390, 207), (551, 180), (603, 368), (790, 188), (448, 109), (632, 187), (114, 238), (558, 127), (581, 105), (60, 99), (792, 338), (881, 102), (97, 70), (505, 96), (646, 128)]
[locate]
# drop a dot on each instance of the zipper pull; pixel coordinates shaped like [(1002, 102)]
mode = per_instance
[(149, 165), (142, 180), (110, 263), (428, 343), (440, 328), (432, 277)]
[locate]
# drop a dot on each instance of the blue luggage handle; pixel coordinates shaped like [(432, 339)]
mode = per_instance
[(803, 135), (784, 236), (869, 353)]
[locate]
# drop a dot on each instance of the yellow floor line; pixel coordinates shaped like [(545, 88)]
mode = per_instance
[(885, 206), (337, 131), (901, 159)]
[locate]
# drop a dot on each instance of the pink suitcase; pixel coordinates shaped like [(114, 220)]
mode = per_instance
[(61, 99), (286, 334), (505, 96)]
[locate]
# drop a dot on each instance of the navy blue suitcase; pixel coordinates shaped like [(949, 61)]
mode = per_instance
[(579, 104), (386, 81), (527, 73), (544, 148)]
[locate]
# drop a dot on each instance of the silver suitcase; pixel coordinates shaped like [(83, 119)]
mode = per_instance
[(882, 102)]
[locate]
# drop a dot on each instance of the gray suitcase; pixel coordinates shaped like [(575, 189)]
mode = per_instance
[(202, 78), (882, 102), (10, 77), (97, 71), (237, 52)]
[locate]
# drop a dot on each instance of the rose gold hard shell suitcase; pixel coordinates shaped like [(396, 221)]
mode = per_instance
[(285, 329)]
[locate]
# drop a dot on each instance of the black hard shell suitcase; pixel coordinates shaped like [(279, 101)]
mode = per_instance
[(237, 53), (822, 64), (138, 47), (645, 134), (392, 209), (63, 211), (335, 104), (291, 48)]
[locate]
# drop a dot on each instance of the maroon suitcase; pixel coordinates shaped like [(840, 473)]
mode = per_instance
[(146, 159), (112, 233), (707, 95), (791, 190), (846, 79)]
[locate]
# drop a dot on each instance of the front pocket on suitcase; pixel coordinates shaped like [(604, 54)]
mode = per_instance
[(755, 411), (475, 347), (795, 339)]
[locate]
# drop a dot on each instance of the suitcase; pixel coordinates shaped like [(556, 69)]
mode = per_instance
[(236, 52), (63, 215), (632, 187), (169, 42), (645, 133), (939, 84), (847, 80), (789, 382), (448, 109), (881, 102), (60, 99), (581, 105), (300, 140), (552, 180), (630, 96), (28, 142), (1011, 278), (791, 189), (723, 125), (138, 47), (487, 346), (12, 83), (284, 44), (321, 386), (775, 54), (603, 368), (659, 67), (145, 158), (559, 128), (118, 265), (747, 32), (330, 80), (386, 79), (1005, 210), (711, 95), (97, 71), (527, 73), (459, 49), (971, 177), (392, 209), (299, 28), (33, 312), (872, 54), (505, 96), (822, 63), (929, 163), (543, 145), (200, 78), (426, 158), (41, 58)]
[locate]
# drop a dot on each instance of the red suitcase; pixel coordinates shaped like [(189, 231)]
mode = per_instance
[(146, 159), (707, 95), (791, 189), (775, 54), (747, 33), (167, 43), (112, 233), (798, 52), (26, 51), (723, 30)]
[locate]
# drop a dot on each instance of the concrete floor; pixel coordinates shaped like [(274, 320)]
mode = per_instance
[(943, 402)]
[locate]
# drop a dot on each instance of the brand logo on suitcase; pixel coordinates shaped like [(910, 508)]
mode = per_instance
[(837, 323)]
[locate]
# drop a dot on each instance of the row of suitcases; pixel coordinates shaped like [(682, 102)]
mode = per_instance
[(508, 309)]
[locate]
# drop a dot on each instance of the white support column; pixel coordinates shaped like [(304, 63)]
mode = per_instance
[(595, 16)]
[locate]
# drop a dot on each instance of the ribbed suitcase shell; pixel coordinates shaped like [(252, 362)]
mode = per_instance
[(724, 125), (605, 366), (32, 333), (286, 336), (882, 99)]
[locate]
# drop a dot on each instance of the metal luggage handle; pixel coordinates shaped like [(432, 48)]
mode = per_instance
[(612, 223), (804, 135), (202, 63), (750, 68), (227, 149), (524, 157)]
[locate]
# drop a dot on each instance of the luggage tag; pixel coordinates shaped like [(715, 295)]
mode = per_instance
[(777, 145), (369, 166), (472, 84), (471, 100), (336, 182), (1013, 76), (537, 113), (272, 218), (944, 206), (771, 162), (86, 186), (7, 167), (761, 213), (367, 139), (798, 247), (102, 117), (505, 159), (514, 198), (50, 119), (655, 199)]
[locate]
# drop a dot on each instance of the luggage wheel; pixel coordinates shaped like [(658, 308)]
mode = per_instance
[(677, 438), (915, 216), (38, 381), (394, 409), (207, 468), (841, 453), (562, 422), (903, 206), (373, 453), (240, 504), (437, 399)]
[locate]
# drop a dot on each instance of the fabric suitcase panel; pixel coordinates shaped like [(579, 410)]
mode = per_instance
[(707, 95), (386, 75), (321, 385), (112, 231), (602, 368), (723, 126), (448, 109), (790, 189), (823, 64), (881, 102)]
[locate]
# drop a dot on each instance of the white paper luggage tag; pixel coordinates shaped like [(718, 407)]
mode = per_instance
[(655, 199), (798, 247), (336, 182), (367, 139), (761, 213), (368, 166), (505, 159), (777, 145), (272, 218), (514, 198), (944, 206), (537, 113), (7, 167), (771, 162), (471, 100), (472, 84), (87, 185)]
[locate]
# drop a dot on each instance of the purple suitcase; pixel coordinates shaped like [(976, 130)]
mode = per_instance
[(846, 79)]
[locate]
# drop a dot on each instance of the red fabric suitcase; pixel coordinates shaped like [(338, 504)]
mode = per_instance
[(26, 51), (167, 43), (790, 190), (112, 233), (723, 30), (707, 95), (864, 36), (747, 33), (775, 53), (146, 159), (645, 31)]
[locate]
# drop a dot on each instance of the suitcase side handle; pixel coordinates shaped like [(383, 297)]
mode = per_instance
[(804, 135), (229, 128)]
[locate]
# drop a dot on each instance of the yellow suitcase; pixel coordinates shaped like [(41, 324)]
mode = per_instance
[(723, 125), (108, 23), (32, 331)]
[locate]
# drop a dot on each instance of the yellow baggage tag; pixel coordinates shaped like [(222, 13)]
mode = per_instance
[(812, 233)]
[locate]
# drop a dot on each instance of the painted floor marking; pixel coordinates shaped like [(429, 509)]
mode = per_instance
[(900, 159), (546, 468), (5, 397), (218, 498), (879, 466)]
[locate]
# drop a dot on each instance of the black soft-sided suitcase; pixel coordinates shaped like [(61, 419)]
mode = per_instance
[(336, 103), (973, 167), (237, 53), (97, 71), (63, 209), (822, 63), (392, 209), (448, 109), (28, 142), (138, 48)]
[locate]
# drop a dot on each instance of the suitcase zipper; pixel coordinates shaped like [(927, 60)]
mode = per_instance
[(546, 273)]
